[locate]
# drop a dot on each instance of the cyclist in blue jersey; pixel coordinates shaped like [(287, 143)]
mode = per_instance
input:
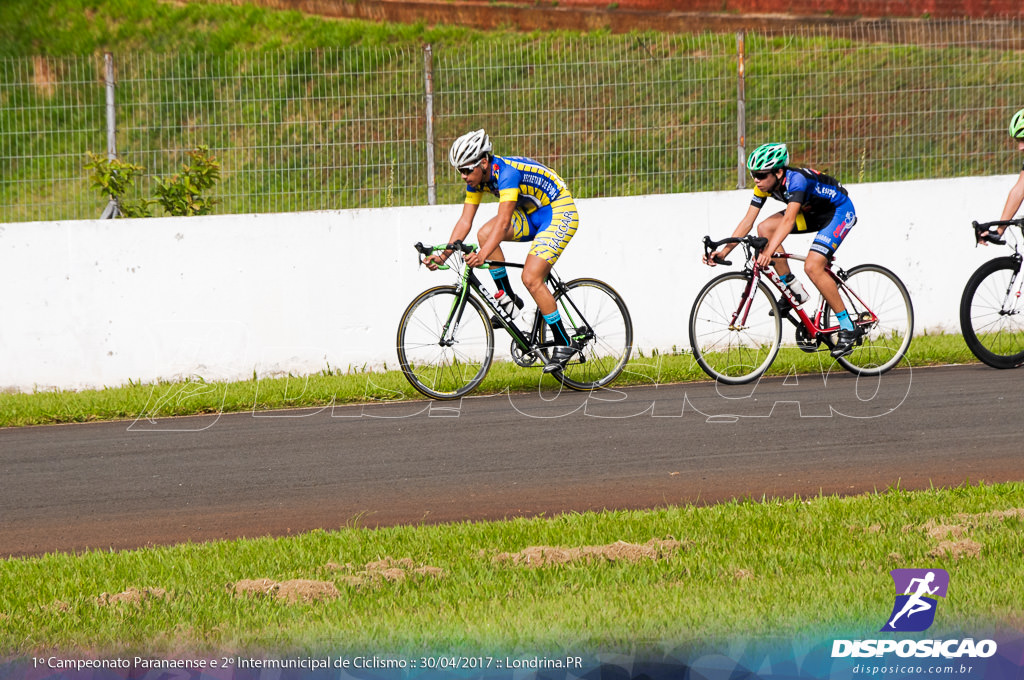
[(1016, 195), (814, 202), (534, 204)]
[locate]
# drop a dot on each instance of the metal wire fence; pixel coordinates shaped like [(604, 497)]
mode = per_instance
[(614, 115)]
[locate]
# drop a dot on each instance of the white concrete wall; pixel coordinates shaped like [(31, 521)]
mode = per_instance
[(100, 303)]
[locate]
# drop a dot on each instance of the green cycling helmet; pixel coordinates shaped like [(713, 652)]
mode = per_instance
[(1017, 125), (770, 156)]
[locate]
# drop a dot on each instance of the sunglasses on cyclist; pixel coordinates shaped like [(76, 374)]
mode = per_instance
[(760, 175), (466, 169)]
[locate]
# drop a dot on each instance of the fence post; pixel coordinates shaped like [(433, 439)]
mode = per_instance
[(741, 111), (428, 75), (113, 209)]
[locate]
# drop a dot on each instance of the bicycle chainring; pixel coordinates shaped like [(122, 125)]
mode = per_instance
[(805, 342), (522, 358)]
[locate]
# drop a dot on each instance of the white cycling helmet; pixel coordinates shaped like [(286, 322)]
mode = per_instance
[(469, 148)]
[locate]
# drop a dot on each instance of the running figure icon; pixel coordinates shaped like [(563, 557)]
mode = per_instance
[(917, 591), (916, 603)]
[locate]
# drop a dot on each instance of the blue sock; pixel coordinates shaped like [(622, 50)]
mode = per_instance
[(558, 333), (500, 277), (843, 318)]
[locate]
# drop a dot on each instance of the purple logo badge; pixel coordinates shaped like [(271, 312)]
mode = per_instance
[(916, 593)]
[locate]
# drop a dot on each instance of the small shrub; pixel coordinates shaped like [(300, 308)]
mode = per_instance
[(183, 193), (114, 178)]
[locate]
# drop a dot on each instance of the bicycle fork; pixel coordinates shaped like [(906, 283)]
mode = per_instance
[(1012, 298)]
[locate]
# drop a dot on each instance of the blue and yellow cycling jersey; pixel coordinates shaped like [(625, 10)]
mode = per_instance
[(545, 210), (530, 184), (819, 196)]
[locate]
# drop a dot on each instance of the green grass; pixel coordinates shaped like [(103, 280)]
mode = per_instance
[(356, 385), (814, 566)]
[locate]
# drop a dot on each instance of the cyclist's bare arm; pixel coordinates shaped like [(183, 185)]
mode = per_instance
[(459, 233), (1013, 200), (741, 230)]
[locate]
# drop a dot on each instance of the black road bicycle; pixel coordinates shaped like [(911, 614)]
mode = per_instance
[(992, 308), (446, 340)]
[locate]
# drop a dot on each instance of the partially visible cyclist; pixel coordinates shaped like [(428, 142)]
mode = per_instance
[(534, 204), (814, 202), (1016, 195)]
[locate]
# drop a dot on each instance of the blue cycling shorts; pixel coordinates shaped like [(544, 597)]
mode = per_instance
[(549, 227), (831, 233)]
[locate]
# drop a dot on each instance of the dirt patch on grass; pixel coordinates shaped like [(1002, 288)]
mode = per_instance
[(386, 570), (292, 591), (957, 549), (952, 536), (132, 596), (620, 551)]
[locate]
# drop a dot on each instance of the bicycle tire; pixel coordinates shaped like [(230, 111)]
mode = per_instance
[(887, 339), (734, 356), (444, 370), (992, 334), (600, 308)]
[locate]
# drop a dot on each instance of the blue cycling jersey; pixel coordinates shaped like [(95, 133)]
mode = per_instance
[(819, 196), (545, 212), (530, 184)]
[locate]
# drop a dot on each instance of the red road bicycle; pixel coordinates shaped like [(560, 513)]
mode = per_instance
[(736, 320)]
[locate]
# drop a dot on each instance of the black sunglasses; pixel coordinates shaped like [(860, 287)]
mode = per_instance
[(466, 169), (760, 175)]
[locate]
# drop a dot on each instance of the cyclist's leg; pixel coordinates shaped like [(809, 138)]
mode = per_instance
[(829, 238), (554, 227), (499, 274)]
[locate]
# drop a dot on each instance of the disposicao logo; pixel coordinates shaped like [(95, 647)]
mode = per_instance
[(913, 611), (916, 593)]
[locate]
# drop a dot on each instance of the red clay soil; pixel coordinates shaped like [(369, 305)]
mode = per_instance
[(637, 15)]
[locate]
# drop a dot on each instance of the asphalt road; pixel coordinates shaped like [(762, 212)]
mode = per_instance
[(161, 481)]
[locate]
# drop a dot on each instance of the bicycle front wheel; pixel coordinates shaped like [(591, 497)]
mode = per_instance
[(878, 302), (735, 349), (445, 344), (992, 315), (595, 315)]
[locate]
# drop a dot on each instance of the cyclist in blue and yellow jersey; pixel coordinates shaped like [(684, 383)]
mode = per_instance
[(534, 204), (1016, 195), (814, 202)]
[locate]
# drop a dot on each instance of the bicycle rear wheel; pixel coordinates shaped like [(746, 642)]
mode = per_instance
[(734, 354), (873, 292), (595, 315), (444, 347), (992, 313)]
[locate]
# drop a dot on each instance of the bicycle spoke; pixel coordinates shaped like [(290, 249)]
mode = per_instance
[(878, 302), (991, 315), (734, 351), (448, 367), (598, 311)]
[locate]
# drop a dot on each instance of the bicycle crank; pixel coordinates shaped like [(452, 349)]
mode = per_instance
[(805, 342), (523, 358)]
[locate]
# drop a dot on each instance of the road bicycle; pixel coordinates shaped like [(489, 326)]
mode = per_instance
[(991, 308), (736, 320), (446, 335)]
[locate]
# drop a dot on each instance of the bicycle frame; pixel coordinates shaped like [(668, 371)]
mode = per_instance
[(528, 341), (813, 326)]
